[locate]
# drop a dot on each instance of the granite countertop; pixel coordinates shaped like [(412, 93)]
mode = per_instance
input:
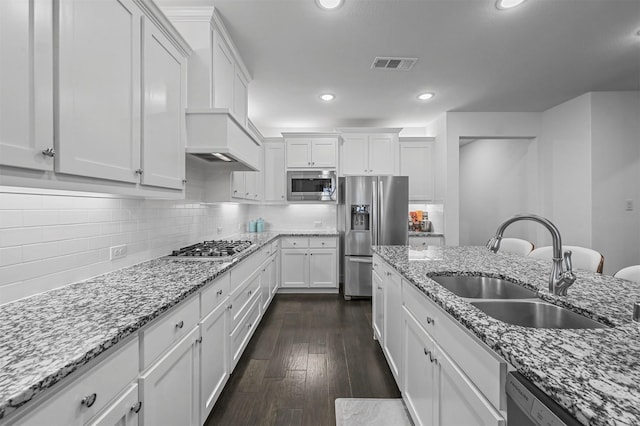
[(593, 373), (46, 337), (425, 234)]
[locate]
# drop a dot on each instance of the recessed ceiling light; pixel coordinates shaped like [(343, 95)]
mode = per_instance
[(425, 96), (329, 4), (508, 4), (327, 97)]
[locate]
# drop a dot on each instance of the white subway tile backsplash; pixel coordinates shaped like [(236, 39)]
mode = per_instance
[(10, 218), (47, 241)]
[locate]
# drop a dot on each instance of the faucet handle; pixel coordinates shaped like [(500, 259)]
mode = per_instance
[(567, 261), (494, 244)]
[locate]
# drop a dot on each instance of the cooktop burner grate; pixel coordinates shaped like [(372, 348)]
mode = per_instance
[(215, 249)]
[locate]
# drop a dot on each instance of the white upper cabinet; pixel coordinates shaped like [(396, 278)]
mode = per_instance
[(275, 186), (307, 151), (369, 153), (99, 92), (416, 162), (26, 84), (163, 161), (240, 97)]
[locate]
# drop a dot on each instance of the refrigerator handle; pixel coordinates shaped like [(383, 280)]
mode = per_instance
[(374, 214), (380, 207)]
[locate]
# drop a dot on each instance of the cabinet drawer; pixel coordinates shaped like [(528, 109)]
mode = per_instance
[(420, 306), (214, 294), (105, 381), (295, 242), (322, 242), (275, 246), (242, 333), (175, 325), (244, 269), (242, 297)]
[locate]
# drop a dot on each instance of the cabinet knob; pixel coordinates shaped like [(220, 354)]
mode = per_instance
[(184, 181), (219, 292), (230, 307), (323, 243), (136, 407), (49, 152), (139, 172), (249, 325), (199, 339), (180, 324), (89, 400), (430, 320), (313, 163), (282, 196), (250, 291)]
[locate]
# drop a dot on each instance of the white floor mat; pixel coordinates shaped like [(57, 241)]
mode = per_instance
[(371, 412)]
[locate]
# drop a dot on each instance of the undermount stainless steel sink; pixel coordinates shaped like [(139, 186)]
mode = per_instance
[(474, 287), (534, 314)]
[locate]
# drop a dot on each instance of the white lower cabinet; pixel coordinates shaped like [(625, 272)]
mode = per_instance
[(377, 304), (309, 262), (124, 411), (244, 330), (84, 398), (447, 376), (169, 388), (419, 390), (392, 322), (214, 357)]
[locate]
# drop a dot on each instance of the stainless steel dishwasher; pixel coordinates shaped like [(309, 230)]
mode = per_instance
[(528, 405)]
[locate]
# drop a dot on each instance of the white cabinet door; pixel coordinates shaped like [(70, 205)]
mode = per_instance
[(214, 353), (416, 162), (223, 73), (381, 154), (355, 156), (26, 84), (393, 324), (163, 154), (460, 402), (251, 186), (265, 283), (169, 388), (240, 94), (121, 412), (274, 172), (419, 387), (299, 153), (99, 89), (238, 185), (322, 268), (377, 306), (295, 268), (275, 273), (323, 152)]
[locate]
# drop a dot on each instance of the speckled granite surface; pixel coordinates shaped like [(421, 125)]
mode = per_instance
[(594, 374), (46, 337)]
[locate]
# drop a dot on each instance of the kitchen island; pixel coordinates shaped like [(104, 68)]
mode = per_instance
[(47, 338), (593, 373)]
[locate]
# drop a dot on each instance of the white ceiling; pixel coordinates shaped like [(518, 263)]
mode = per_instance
[(473, 56)]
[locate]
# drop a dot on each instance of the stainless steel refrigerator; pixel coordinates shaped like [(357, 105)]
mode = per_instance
[(373, 210)]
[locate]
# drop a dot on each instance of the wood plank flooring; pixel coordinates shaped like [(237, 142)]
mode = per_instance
[(307, 351)]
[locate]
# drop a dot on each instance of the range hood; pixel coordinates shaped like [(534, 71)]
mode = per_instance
[(215, 135)]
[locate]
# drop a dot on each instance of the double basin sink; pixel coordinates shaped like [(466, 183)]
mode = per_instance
[(512, 303)]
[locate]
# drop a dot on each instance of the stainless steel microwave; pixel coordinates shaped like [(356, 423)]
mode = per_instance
[(316, 185)]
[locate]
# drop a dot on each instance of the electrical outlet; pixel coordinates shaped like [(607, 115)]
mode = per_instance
[(219, 230), (118, 252), (629, 205)]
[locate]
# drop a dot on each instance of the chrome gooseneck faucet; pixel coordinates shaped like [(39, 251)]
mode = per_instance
[(561, 277)]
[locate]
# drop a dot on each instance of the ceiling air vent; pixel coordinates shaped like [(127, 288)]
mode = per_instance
[(397, 64)]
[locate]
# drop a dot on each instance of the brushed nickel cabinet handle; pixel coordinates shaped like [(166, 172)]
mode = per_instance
[(199, 339), (136, 407), (219, 292), (139, 172), (49, 152), (180, 324), (89, 400)]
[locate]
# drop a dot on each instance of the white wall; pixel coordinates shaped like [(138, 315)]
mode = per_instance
[(52, 238), (565, 168), (481, 125), (615, 140), (498, 178)]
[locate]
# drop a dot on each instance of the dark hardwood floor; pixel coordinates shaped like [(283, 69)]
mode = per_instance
[(307, 351)]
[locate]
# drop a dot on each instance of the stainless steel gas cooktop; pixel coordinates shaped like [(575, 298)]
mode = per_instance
[(213, 250)]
